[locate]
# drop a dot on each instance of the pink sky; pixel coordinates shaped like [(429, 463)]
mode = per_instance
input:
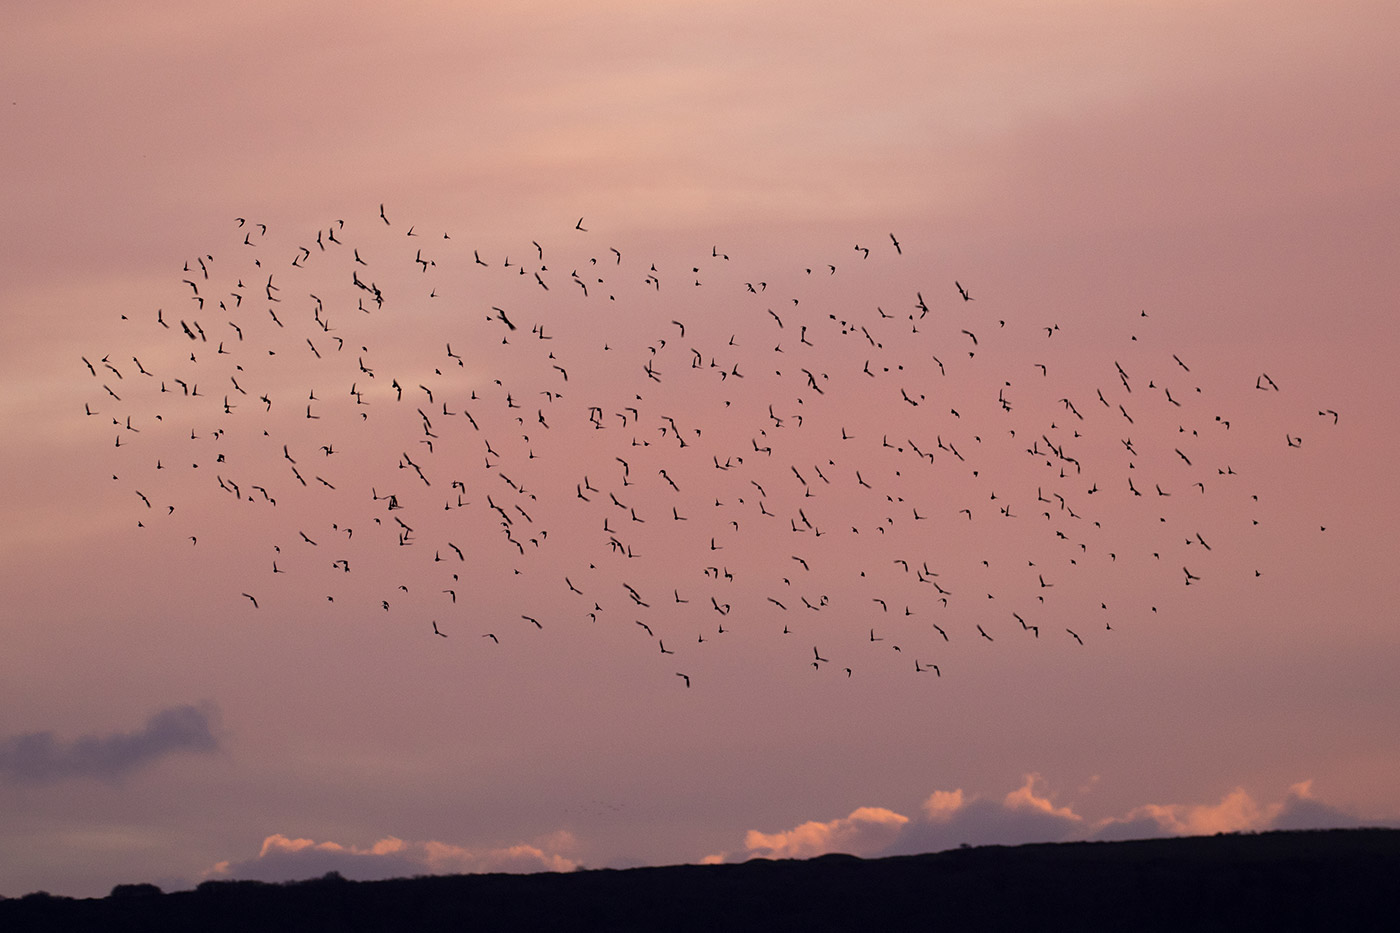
[(1231, 175)]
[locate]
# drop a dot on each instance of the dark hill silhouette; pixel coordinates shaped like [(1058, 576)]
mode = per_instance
[(1322, 879)]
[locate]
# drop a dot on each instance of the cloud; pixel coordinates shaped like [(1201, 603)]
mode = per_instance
[(40, 758), (283, 858), (943, 805), (867, 831)]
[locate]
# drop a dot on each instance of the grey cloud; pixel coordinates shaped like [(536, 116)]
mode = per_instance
[(1301, 811), (295, 865), (41, 758), (1138, 827)]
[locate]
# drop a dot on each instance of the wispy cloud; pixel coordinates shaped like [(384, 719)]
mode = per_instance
[(283, 858), (41, 758)]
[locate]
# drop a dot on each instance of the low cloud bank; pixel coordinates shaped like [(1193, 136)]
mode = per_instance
[(285, 859), (1029, 814)]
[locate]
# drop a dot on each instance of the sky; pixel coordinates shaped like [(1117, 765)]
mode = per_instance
[(720, 523)]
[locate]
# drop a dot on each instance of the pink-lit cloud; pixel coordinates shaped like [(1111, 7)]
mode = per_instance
[(284, 858), (1025, 798), (867, 831), (943, 805), (1235, 812)]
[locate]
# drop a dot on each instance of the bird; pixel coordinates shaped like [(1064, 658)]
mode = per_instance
[(680, 396)]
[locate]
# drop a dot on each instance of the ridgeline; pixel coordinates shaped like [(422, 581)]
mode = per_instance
[(1310, 880)]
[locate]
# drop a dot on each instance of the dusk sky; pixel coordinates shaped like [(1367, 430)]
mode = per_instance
[(719, 522)]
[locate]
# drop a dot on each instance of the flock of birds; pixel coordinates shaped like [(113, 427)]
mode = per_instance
[(486, 444)]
